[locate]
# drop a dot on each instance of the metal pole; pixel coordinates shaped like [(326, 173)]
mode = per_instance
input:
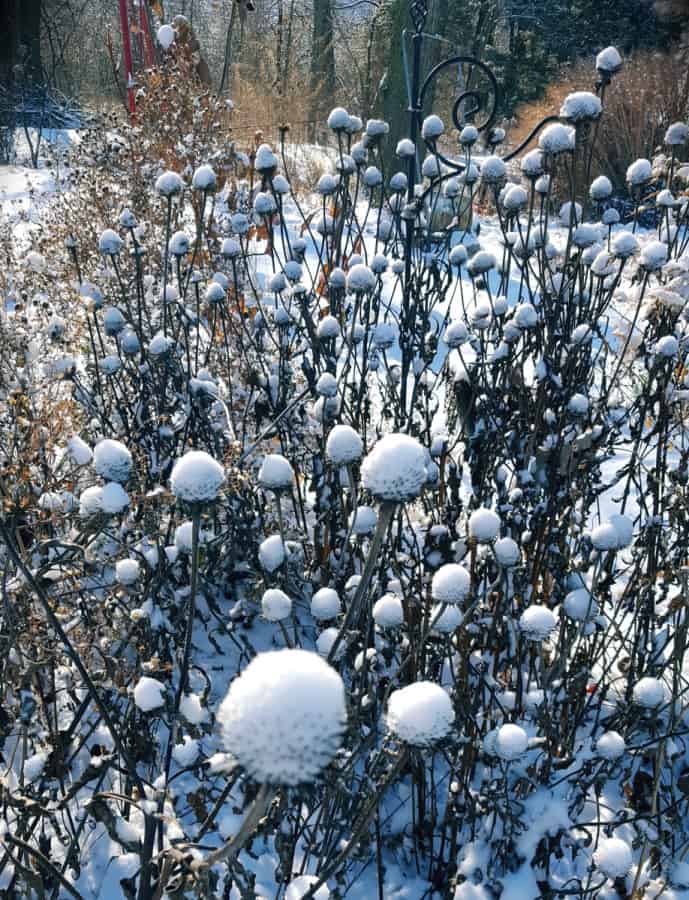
[(127, 48), (419, 12)]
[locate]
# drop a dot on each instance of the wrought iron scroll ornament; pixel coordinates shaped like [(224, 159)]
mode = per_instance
[(419, 14), (469, 105)]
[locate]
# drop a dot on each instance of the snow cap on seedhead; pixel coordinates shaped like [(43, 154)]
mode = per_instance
[(388, 611), (451, 584), (396, 469), (537, 622), (420, 714), (613, 857), (511, 742), (284, 716), (112, 460), (484, 525), (344, 446), (276, 473), (326, 604), (196, 477)]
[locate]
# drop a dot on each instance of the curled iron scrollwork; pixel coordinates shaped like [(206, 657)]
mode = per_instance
[(419, 13)]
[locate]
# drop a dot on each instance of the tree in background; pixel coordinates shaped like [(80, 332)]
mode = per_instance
[(20, 38), (322, 58)]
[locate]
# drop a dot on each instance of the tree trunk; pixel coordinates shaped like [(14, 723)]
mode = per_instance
[(322, 58), (394, 102), (20, 38)]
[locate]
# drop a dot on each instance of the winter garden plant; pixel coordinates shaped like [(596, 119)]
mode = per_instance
[(342, 551)]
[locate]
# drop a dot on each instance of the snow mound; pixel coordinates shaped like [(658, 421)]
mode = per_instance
[(420, 714), (283, 717)]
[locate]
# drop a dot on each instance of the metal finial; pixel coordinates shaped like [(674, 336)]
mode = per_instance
[(419, 13)]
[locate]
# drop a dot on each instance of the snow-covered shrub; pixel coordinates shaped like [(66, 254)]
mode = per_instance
[(438, 478)]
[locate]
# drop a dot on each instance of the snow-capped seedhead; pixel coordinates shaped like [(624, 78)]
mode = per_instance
[(433, 126), (420, 714), (507, 552), (271, 553), (451, 584), (166, 36), (532, 164), (149, 694), (326, 604), (649, 692), (300, 886), (276, 605), (677, 134), (179, 244), (609, 61), (338, 120), (601, 188), (445, 619), (110, 243), (388, 612), (580, 606), (266, 161), (556, 139), (493, 170), (484, 525), (276, 473), (197, 477), (361, 279), (653, 255), (204, 179), (127, 572), (624, 244), (511, 742), (284, 716), (581, 106), (344, 446), (112, 460), (468, 135), (537, 623), (639, 173), (613, 857), (169, 184), (405, 148), (396, 469), (611, 745)]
